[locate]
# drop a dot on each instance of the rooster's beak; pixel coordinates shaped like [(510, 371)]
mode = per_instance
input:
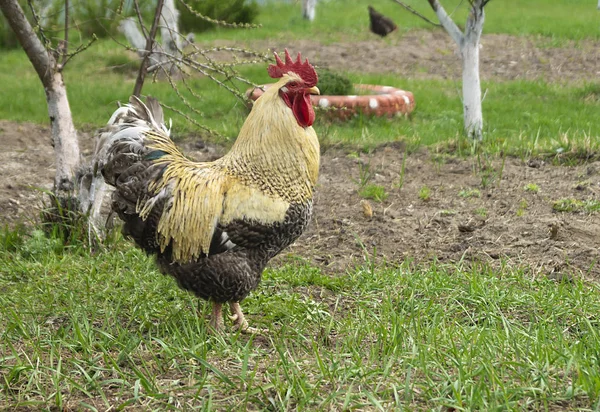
[(313, 90)]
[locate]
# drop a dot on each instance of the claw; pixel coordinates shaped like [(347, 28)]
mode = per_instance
[(240, 322)]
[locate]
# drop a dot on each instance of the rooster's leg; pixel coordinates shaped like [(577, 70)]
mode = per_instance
[(216, 318), (238, 318)]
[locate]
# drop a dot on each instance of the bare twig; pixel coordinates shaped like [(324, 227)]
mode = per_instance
[(139, 83), (65, 49), (416, 13), (38, 25), (140, 18), (79, 49), (218, 22)]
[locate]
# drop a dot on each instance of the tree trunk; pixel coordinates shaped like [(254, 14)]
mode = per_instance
[(308, 9), (471, 90), (469, 51), (64, 135), (468, 44)]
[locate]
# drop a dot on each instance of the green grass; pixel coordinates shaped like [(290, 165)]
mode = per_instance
[(108, 329), (545, 118), (373, 191), (520, 117), (283, 21), (102, 329)]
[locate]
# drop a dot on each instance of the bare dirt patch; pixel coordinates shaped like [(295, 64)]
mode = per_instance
[(473, 213), (425, 54)]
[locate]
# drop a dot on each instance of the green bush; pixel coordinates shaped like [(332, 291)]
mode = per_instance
[(231, 11), (334, 84)]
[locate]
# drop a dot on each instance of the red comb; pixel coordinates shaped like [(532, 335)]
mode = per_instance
[(305, 70)]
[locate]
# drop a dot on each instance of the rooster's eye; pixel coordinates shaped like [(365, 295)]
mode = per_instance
[(292, 85)]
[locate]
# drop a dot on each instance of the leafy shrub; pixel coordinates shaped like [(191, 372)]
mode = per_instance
[(231, 11), (334, 84)]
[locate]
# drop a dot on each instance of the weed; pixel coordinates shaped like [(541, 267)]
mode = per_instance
[(365, 174), (531, 187), (373, 191), (424, 193), (400, 182), (481, 211), (574, 205), (523, 205)]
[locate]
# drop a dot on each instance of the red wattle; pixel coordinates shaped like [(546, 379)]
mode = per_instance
[(303, 110)]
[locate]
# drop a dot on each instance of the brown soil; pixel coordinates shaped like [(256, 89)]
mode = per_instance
[(504, 225), (433, 55)]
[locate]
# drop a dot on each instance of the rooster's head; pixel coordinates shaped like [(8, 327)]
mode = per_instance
[(298, 82)]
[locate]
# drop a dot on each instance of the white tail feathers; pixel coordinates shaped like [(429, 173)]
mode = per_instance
[(128, 125)]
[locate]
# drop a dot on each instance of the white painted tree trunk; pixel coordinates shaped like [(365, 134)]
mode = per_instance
[(64, 134), (468, 44), (598, 4), (308, 9), (171, 40), (169, 29), (473, 115), (471, 90), (133, 34)]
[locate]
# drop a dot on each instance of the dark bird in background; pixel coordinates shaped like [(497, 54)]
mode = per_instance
[(213, 226), (380, 24)]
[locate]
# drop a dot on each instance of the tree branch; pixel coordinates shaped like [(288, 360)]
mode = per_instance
[(140, 18), (65, 51), (474, 26), (416, 13), (33, 47), (447, 22), (149, 46)]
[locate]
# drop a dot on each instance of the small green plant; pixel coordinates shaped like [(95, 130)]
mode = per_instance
[(531, 187), (334, 84), (12, 238), (400, 181), (424, 193), (372, 191), (523, 205), (481, 211), (365, 174), (574, 205), (468, 193)]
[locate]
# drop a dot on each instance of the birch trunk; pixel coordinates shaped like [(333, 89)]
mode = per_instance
[(64, 134)]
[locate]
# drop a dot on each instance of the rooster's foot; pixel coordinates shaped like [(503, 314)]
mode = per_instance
[(240, 322), (216, 318)]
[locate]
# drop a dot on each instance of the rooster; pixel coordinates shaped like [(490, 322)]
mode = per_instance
[(380, 24), (213, 226)]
